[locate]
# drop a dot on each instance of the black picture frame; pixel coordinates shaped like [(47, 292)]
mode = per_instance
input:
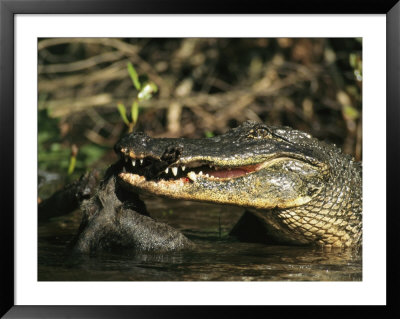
[(8, 10)]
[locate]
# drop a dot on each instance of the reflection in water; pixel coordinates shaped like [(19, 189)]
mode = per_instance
[(217, 256)]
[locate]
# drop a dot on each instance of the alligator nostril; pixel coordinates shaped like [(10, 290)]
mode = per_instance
[(172, 153)]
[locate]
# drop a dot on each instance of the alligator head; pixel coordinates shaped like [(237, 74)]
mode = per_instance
[(307, 191), (253, 165)]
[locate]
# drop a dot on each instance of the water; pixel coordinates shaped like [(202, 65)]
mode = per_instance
[(217, 257)]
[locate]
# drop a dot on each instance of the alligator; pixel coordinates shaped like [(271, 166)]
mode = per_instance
[(294, 188)]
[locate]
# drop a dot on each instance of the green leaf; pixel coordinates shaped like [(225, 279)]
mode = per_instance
[(208, 134), (134, 112), (353, 60), (71, 166), (134, 76), (350, 112), (122, 112), (55, 147)]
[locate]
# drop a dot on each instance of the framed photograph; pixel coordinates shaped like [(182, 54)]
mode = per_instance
[(260, 178)]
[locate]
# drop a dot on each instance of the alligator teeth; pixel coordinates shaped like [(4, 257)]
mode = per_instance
[(192, 176), (166, 170), (133, 162), (141, 162), (183, 168), (200, 173), (126, 160), (123, 169), (174, 170), (207, 175)]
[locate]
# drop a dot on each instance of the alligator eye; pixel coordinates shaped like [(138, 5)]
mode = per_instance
[(259, 132)]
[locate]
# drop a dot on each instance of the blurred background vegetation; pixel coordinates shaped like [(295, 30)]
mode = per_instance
[(205, 86)]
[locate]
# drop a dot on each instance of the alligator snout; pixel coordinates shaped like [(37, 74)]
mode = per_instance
[(140, 146)]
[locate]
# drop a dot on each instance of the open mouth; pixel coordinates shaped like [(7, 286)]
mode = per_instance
[(156, 170)]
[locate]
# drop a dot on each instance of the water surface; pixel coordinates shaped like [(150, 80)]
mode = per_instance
[(218, 257)]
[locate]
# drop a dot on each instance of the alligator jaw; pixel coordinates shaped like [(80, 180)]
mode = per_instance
[(183, 179), (152, 170), (233, 185)]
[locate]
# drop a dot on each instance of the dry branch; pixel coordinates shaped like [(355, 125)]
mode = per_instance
[(124, 47), (59, 108), (114, 72), (81, 65)]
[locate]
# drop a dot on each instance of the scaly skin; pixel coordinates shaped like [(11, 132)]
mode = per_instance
[(301, 190)]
